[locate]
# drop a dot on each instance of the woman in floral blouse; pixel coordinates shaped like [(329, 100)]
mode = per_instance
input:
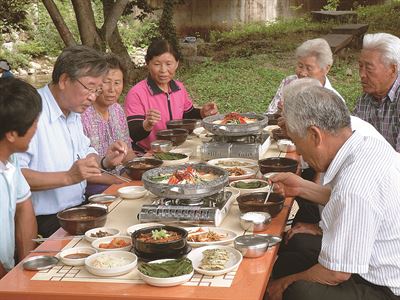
[(105, 122)]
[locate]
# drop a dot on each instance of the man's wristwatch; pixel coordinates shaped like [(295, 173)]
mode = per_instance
[(102, 165)]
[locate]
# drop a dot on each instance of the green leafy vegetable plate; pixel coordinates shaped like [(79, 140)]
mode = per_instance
[(166, 267)]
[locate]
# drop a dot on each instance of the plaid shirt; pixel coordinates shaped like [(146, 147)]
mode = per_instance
[(383, 115)]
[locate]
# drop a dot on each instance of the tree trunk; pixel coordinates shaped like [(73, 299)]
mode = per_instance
[(87, 24), (111, 18), (58, 21)]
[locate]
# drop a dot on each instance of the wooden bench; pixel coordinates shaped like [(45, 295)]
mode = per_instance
[(345, 16), (357, 30), (338, 42)]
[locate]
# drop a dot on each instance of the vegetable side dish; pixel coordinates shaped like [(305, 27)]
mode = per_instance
[(201, 236), (250, 185), (169, 156), (166, 269), (214, 259), (108, 262), (115, 243), (235, 118)]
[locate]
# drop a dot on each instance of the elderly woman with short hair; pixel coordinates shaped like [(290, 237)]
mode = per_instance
[(314, 59)]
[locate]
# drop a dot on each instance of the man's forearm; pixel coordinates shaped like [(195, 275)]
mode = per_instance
[(25, 228), (322, 275), (315, 192), (39, 181)]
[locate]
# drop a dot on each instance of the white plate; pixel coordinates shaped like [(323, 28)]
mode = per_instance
[(164, 282), (196, 255), (241, 163), (133, 228), (249, 191), (228, 238), (112, 231), (250, 173), (131, 262), (175, 162), (200, 130), (132, 192), (76, 261), (106, 240)]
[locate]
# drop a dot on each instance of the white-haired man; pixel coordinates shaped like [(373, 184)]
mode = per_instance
[(379, 73)]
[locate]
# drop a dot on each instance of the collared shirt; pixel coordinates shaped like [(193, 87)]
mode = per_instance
[(13, 189), (273, 106), (147, 95), (56, 145), (360, 224), (383, 115), (103, 133)]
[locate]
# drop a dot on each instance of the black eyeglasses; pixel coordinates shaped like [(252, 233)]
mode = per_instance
[(97, 92)]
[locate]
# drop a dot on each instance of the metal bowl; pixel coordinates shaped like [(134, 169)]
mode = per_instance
[(285, 145), (251, 245), (177, 136), (188, 124), (277, 164), (161, 146), (78, 220), (255, 221), (137, 166), (235, 129), (185, 191), (255, 202)]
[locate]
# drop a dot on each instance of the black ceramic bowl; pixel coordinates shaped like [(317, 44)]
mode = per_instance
[(255, 202), (161, 249), (273, 118), (78, 220), (137, 166), (177, 136), (188, 124), (279, 134), (277, 164)]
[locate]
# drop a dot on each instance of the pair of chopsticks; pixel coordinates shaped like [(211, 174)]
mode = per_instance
[(115, 175), (60, 238)]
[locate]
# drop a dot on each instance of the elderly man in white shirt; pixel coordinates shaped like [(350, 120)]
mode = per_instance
[(361, 232), (59, 159)]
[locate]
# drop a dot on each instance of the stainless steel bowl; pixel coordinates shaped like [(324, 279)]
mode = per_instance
[(251, 245), (255, 221), (161, 146)]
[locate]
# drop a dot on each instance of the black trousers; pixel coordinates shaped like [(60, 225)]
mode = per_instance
[(356, 288), (47, 224)]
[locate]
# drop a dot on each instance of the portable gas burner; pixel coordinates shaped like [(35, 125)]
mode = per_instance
[(209, 210)]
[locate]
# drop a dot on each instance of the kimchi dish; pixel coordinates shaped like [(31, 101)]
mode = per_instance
[(159, 236), (235, 118), (186, 176)]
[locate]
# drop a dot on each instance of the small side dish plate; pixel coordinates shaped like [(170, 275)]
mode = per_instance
[(135, 227), (132, 192), (235, 258), (76, 256), (226, 236), (102, 198), (110, 232), (234, 163), (42, 262), (109, 239), (111, 263), (165, 282)]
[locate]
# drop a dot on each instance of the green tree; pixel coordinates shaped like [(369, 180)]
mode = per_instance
[(13, 15)]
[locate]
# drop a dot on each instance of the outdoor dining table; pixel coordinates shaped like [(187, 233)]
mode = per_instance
[(249, 282)]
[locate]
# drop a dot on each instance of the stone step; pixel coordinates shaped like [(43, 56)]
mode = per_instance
[(338, 41), (344, 16), (357, 30)]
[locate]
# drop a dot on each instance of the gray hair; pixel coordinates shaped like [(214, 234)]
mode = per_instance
[(315, 106), (318, 48), (386, 44), (299, 85), (79, 61)]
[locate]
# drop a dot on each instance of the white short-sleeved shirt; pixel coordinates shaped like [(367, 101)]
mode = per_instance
[(58, 142), (13, 189), (360, 222)]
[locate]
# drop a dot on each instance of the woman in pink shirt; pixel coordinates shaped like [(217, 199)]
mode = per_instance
[(159, 98)]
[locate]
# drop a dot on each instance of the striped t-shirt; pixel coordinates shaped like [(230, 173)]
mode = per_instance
[(360, 222)]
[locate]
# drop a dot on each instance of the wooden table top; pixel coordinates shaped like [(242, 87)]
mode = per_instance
[(249, 282)]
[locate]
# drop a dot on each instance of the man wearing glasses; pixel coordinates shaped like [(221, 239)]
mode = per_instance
[(59, 159)]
